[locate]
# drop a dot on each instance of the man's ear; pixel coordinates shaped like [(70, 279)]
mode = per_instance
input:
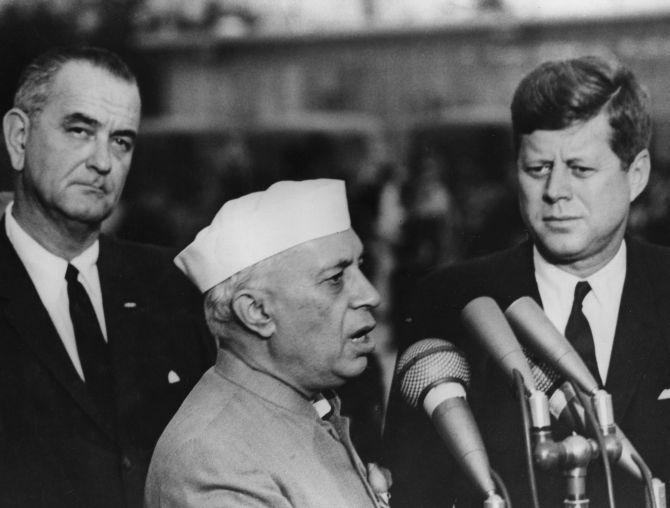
[(638, 174), (251, 308), (16, 125)]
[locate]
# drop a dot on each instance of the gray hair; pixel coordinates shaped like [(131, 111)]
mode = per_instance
[(219, 313), (36, 79)]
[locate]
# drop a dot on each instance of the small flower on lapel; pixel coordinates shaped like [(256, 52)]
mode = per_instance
[(129, 305), (173, 377)]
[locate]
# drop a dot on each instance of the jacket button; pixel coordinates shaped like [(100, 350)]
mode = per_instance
[(126, 463)]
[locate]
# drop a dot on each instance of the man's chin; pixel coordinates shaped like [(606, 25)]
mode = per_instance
[(357, 367), (559, 248), (87, 213)]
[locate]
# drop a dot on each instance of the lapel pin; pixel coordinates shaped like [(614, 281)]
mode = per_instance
[(173, 377), (129, 305)]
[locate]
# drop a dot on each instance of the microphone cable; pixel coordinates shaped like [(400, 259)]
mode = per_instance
[(646, 474), (521, 392), (591, 417), (503, 490)]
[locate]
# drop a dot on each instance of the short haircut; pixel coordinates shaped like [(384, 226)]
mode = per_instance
[(35, 81), (558, 94), (220, 316), (218, 303)]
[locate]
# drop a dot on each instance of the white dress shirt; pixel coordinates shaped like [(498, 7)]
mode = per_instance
[(47, 272), (600, 306)]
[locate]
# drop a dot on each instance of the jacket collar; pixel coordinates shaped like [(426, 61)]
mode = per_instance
[(269, 388)]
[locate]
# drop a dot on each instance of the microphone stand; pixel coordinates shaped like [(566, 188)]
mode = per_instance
[(548, 454), (573, 454), (576, 488), (529, 320)]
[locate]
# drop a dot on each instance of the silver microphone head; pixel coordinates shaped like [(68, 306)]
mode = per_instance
[(427, 363), (547, 378)]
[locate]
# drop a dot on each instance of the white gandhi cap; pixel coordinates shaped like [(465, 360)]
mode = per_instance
[(259, 225)]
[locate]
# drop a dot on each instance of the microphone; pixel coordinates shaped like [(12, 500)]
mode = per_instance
[(529, 321), (533, 326), (562, 397), (563, 402), (435, 374), (486, 323)]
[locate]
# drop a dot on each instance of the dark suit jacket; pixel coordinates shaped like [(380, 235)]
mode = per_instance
[(56, 450), (639, 371)]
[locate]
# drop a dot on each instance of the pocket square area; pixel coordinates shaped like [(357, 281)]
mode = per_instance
[(173, 377), (665, 394)]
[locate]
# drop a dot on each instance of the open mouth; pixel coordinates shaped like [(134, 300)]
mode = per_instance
[(361, 335)]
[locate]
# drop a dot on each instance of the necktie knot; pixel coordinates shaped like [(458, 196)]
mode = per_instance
[(581, 290), (71, 273)]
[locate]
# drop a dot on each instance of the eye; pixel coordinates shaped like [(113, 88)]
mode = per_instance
[(79, 132), (539, 170), (125, 144), (336, 278), (582, 171)]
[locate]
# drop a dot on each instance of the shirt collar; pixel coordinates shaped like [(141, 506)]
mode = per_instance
[(603, 282), (38, 260), (322, 406)]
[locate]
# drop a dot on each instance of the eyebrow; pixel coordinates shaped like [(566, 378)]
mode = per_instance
[(342, 263), (80, 117), (92, 122), (577, 160)]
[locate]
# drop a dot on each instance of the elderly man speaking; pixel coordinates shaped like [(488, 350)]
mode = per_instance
[(285, 296)]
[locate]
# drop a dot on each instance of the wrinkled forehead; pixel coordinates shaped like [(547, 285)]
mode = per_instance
[(314, 256), (80, 87), (333, 248)]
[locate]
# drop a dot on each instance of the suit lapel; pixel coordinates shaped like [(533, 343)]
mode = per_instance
[(113, 281), (636, 333), (25, 313), (124, 301)]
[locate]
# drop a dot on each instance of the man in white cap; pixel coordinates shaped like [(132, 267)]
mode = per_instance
[(285, 296)]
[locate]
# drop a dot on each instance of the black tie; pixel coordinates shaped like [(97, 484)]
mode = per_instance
[(578, 331), (91, 345)]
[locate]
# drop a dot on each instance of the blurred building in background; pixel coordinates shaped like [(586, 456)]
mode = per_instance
[(407, 100)]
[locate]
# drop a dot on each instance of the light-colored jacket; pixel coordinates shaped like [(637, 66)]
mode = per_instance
[(243, 438)]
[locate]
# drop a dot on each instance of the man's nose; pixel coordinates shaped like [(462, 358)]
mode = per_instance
[(366, 294), (558, 184), (100, 158)]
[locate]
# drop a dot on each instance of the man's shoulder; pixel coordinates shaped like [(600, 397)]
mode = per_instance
[(139, 260), (643, 248), (437, 300), (213, 416), (650, 261), (149, 270), (137, 252), (481, 270)]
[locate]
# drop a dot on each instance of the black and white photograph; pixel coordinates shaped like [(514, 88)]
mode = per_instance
[(335, 253)]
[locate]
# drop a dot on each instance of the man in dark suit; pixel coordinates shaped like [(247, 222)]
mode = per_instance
[(581, 129), (100, 340)]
